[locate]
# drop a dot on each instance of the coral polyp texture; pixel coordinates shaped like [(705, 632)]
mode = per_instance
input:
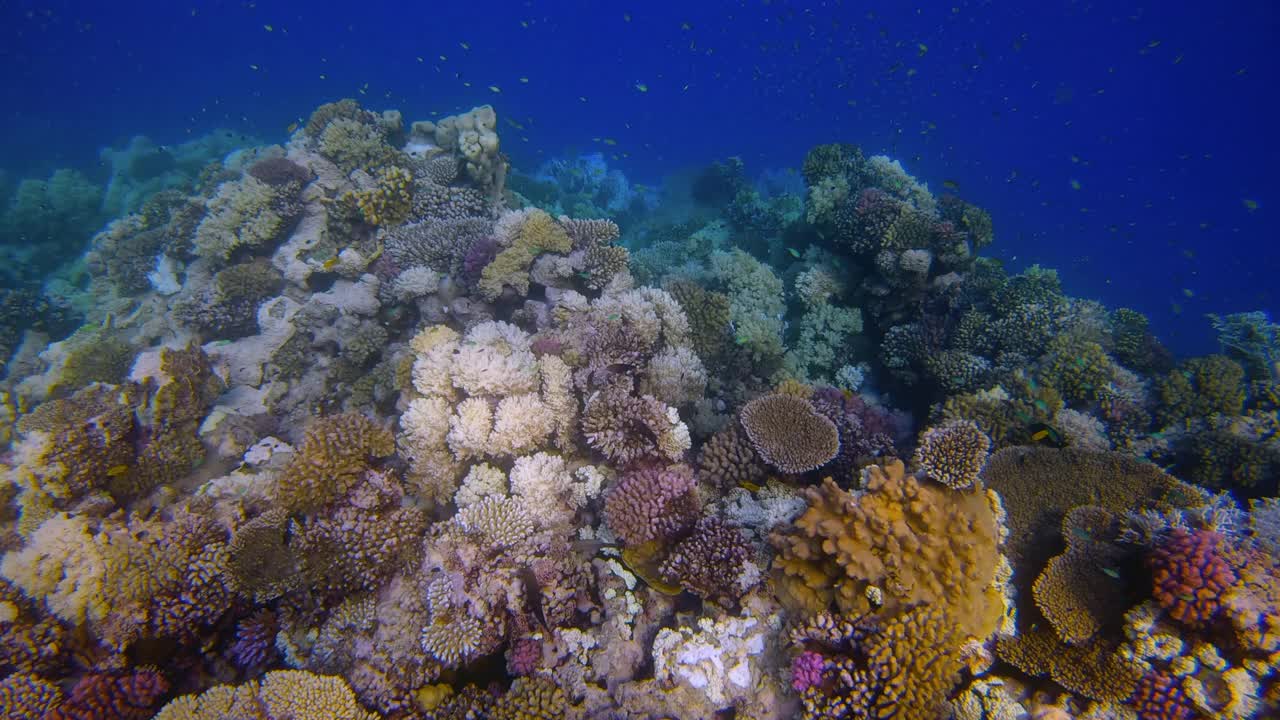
[(378, 423)]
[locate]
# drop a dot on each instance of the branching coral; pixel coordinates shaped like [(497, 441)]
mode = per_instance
[(953, 453), (440, 244), (329, 462), (390, 201), (246, 214), (1201, 387), (1190, 575), (652, 502), (788, 433), (712, 562), (627, 427)]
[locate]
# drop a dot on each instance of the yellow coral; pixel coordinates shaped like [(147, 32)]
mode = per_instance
[(899, 541), (390, 201), (539, 234), (336, 450)]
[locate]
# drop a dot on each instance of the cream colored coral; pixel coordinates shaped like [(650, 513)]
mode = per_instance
[(63, 564), (483, 480), (675, 376), (425, 425), (542, 483), (557, 395), (470, 427), (494, 359), (521, 423)]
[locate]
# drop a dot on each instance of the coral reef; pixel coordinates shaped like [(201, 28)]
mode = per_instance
[(351, 427)]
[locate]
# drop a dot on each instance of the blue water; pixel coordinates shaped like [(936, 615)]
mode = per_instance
[(1130, 145)]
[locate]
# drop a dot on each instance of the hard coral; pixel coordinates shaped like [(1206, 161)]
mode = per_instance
[(903, 666), (335, 451), (1160, 697), (1201, 387), (652, 502), (539, 233), (712, 562), (1190, 575), (788, 433), (953, 453), (390, 201), (28, 697), (1088, 586), (626, 427), (896, 543), (109, 697)]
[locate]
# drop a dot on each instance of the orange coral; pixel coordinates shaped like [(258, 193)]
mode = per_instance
[(896, 544)]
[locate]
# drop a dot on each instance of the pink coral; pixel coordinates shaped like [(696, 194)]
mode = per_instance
[(652, 502), (1161, 697), (524, 656), (1190, 575), (112, 697), (806, 670)]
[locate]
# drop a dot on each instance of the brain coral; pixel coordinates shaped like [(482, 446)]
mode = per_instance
[(788, 433), (953, 453), (892, 545), (1190, 575)]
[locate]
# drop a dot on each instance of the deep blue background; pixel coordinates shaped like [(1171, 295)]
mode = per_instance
[(1161, 112)]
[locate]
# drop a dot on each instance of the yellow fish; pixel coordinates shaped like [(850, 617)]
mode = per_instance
[(117, 470), (922, 49), (292, 126), (1075, 184), (610, 141)]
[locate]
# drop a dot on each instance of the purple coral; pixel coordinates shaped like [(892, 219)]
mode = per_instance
[(806, 670), (711, 562), (652, 501), (524, 656), (112, 697), (481, 253), (255, 644)]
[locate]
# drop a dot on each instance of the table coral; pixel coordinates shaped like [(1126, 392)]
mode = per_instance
[(1090, 585), (788, 433)]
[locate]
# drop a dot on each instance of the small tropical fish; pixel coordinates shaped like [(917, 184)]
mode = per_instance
[(610, 141), (524, 80), (626, 17), (253, 67), (951, 185), (1075, 184), (324, 77), (921, 49), (464, 46), (268, 28), (642, 87), (686, 26), (583, 98), (794, 253), (495, 89), (330, 264), (117, 470), (749, 485), (1111, 573), (1250, 204), (292, 126)]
